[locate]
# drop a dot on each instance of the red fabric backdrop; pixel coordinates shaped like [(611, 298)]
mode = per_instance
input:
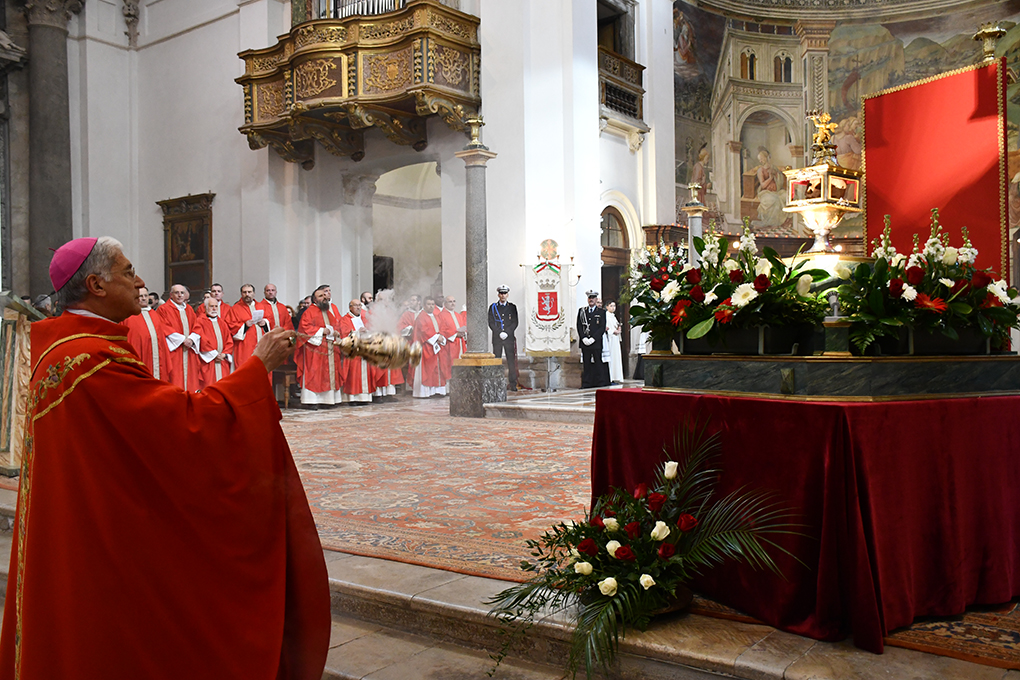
[(910, 508), (940, 145)]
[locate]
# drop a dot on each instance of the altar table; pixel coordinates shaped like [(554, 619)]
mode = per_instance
[(909, 508)]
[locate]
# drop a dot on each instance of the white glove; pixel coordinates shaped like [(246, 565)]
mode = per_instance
[(588, 341), (502, 336)]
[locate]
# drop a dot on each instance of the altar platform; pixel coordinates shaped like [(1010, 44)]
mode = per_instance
[(910, 508)]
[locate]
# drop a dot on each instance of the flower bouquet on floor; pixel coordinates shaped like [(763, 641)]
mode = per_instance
[(936, 289), (723, 293), (633, 554)]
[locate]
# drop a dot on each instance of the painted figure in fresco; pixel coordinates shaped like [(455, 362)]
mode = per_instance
[(848, 145), (771, 198), (683, 43), (699, 173)]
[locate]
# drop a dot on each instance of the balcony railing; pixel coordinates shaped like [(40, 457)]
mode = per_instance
[(620, 88), (341, 9)]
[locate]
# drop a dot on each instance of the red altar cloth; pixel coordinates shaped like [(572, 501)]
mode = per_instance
[(911, 508)]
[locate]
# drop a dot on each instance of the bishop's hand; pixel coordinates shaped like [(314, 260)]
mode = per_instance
[(274, 347)]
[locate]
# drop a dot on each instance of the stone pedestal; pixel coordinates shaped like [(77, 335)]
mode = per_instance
[(478, 379)]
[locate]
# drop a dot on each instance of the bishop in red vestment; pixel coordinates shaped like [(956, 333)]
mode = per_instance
[(187, 554), (358, 376), (216, 345), (182, 341), (427, 379), (317, 356), (147, 335)]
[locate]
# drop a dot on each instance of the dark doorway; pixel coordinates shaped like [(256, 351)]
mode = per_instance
[(382, 273)]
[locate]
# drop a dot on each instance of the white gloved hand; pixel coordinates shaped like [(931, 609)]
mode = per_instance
[(502, 336), (588, 341)]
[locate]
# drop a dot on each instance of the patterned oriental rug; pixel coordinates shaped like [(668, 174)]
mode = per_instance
[(484, 487)]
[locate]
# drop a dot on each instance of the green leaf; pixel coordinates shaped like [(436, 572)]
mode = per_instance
[(881, 269), (862, 273), (723, 245), (1000, 314), (961, 308), (891, 321), (950, 333), (985, 325), (699, 244), (701, 329), (876, 302)]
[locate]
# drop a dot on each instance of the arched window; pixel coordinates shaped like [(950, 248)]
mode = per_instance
[(748, 64), (783, 68), (614, 231), (788, 70)]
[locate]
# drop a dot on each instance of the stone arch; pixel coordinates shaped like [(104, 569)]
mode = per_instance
[(618, 199)]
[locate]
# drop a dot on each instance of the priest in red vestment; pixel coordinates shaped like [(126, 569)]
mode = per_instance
[(276, 313), (187, 553), (383, 319), (405, 326), (216, 345), (427, 379), (317, 356), (450, 327), (248, 321), (147, 335), (217, 292), (358, 376), (182, 341)]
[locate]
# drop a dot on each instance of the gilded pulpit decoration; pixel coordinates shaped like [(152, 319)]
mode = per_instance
[(187, 229), (332, 81)]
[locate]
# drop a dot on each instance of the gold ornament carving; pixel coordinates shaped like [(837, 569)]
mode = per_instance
[(258, 65), (312, 77), (448, 25), (248, 105), (387, 72), (270, 99), (392, 29), (452, 65), (312, 35)]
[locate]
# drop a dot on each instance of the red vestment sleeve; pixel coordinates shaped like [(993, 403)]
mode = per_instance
[(159, 534)]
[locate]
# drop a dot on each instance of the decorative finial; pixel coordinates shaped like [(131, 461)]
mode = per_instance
[(989, 35), (475, 123)]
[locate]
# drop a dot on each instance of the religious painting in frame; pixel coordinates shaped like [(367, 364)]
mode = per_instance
[(940, 143), (187, 235)]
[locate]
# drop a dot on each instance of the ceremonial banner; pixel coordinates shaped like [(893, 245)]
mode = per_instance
[(940, 143), (548, 332)]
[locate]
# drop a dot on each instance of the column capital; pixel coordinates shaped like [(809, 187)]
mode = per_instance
[(55, 13), (359, 189), (814, 35), (474, 157)]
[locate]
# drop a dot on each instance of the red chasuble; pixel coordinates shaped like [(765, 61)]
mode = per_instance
[(451, 352), (183, 361), (425, 328), (190, 554), (277, 314), (318, 365), (215, 340), (358, 376), (148, 336), (245, 337)]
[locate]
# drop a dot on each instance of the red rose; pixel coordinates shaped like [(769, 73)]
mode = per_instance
[(658, 283), (693, 276), (990, 301), (625, 553), (589, 547), (666, 550), (687, 522), (736, 276), (959, 287), (597, 522), (761, 283), (633, 529), (610, 513), (675, 244), (895, 287), (980, 279), (915, 275), (697, 294), (641, 491), (656, 501)]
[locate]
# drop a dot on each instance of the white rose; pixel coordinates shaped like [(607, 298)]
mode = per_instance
[(948, 283), (762, 266), (660, 532), (611, 524), (646, 581), (670, 471), (909, 292), (730, 264), (612, 547), (671, 290), (608, 586), (843, 270), (950, 256), (804, 285), (582, 568)]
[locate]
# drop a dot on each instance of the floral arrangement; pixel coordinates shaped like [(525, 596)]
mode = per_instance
[(936, 288), (668, 294), (636, 549)]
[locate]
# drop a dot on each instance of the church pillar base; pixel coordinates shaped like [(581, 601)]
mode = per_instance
[(474, 384)]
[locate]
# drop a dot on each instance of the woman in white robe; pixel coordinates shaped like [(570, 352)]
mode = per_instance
[(613, 335)]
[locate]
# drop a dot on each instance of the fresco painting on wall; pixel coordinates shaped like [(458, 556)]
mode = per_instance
[(863, 58)]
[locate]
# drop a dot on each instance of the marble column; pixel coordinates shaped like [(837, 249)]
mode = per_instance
[(49, 191), (478, 376)]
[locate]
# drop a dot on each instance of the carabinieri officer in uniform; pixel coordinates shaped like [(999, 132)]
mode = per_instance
[(503, 324)]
